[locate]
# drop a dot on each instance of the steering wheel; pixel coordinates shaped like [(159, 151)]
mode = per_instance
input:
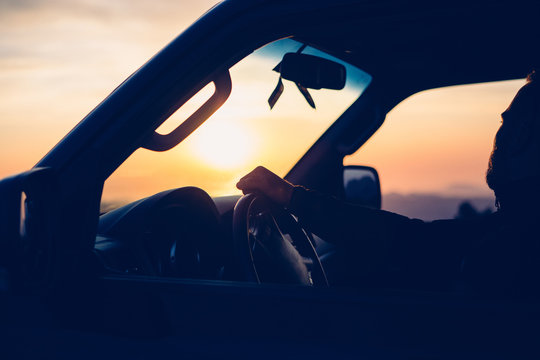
[(272, 246)]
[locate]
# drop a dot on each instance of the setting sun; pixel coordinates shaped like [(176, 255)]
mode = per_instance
[(224, 145)]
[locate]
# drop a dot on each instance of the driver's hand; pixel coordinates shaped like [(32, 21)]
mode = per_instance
[(264, 181)]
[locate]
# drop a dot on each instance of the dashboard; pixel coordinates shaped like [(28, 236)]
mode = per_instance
[(183, 233), (175, 233)]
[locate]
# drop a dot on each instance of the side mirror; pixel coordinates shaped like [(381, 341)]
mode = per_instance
[(313, 72), (362, 186)]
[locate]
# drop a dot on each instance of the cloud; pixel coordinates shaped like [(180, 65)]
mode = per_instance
[(105, 10), (7, 5), (38, 29), (59, 58)]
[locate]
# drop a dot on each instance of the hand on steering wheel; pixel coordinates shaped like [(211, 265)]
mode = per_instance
[(262, 180), (270, 244)]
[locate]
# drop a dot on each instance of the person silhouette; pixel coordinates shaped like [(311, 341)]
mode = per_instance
[(496, 254)]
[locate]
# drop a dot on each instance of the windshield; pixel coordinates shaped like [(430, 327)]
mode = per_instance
[(244, 133)]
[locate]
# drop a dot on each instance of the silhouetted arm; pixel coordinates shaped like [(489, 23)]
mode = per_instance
[(378, 238), (374, 241)]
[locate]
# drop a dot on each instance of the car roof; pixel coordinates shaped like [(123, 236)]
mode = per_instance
[(410, 46)]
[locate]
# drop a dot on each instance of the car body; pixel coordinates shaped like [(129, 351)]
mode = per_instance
[(60, 301)]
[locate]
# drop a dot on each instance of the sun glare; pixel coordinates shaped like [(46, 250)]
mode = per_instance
[(224, 145)]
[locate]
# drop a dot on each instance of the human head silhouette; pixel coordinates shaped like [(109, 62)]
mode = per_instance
[(515, 158)]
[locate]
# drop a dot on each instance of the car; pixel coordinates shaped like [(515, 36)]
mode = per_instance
[(177, 272)]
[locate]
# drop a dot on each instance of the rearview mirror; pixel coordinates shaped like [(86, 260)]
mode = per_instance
[(362, 186), (313, 72)]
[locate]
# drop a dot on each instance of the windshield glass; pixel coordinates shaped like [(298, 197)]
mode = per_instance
[(242, 134)]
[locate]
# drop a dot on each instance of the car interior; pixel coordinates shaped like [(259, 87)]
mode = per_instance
[(186, 233), (130, 234)]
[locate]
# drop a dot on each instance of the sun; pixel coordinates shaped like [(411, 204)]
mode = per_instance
[(223, 145)]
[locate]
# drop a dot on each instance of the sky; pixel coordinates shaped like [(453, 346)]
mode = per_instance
[(60, 58), (439, 141), (243, 134)]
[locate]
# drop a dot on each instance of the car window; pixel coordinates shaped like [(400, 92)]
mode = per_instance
[(432, 151), (242, 134)]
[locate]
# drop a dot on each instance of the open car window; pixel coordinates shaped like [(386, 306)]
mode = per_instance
[(432, 150), (244, 133)]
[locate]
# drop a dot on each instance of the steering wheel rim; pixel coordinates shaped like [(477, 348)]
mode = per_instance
[(260, 226)]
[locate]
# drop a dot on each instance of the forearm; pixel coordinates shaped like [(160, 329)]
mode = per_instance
[(379, 240), (337, 221)]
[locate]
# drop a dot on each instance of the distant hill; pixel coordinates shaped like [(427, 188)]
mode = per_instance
[(433, 206)]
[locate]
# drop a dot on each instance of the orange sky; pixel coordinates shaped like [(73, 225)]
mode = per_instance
[(241, 135), (59, 58), (439, 141)]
